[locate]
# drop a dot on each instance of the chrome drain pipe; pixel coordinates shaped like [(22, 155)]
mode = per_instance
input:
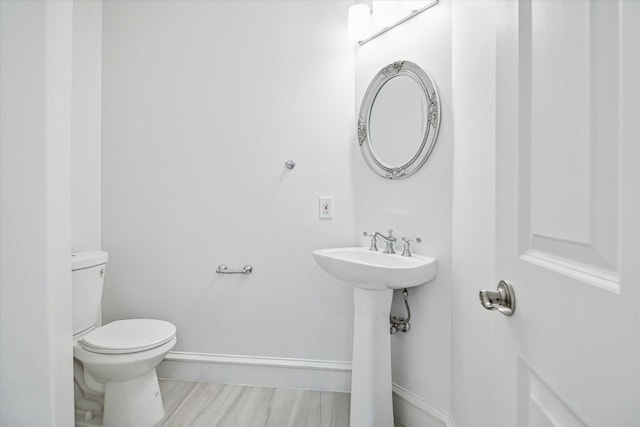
[(400, 323)]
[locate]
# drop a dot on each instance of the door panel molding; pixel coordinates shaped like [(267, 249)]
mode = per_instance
[(569, 144), (539, 405), (591, 275)]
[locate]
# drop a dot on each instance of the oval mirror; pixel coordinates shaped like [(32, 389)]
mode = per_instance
[(399, 120)]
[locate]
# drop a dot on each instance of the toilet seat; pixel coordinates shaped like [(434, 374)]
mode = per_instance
[(128, 336)]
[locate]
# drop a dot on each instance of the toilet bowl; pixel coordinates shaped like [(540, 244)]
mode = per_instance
[(119, 369), (115, 378)]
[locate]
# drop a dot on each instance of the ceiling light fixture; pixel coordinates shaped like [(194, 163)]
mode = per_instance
[(366, 24)]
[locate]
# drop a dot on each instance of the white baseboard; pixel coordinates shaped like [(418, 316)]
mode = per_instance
[(324, 375), (412, 411)]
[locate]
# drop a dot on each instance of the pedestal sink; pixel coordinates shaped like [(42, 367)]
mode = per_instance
[(373, 275)]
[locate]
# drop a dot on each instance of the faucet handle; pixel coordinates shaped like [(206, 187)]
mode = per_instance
[(417, 240), (406, 249), (374, 242)]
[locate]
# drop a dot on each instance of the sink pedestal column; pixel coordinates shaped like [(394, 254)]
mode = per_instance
[(371, 395)]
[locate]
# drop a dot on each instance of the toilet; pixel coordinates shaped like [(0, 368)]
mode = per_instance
[(115, 378)]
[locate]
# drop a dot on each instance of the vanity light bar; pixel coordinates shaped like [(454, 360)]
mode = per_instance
[(360, 22)]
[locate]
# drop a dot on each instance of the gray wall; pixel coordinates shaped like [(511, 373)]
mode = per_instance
[(419, 205), (86, 120), (36, 360), (203, 102)]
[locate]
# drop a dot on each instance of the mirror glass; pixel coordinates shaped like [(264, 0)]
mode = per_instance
[(399, 120)]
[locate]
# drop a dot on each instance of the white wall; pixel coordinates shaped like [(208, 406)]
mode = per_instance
[(417, 206), (203, 102), (474, 258), (86, 125), (36, 377)]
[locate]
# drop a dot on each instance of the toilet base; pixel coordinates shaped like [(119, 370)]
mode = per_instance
[(133, 403), (126, 384), (96, 421)]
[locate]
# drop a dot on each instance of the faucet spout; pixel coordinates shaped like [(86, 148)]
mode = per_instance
[(389, 241)]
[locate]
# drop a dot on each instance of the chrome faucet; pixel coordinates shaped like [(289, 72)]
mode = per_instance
[(374, 242), (406, 249), (388, 240)]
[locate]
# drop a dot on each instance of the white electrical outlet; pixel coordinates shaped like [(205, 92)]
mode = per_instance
[(326, 207)]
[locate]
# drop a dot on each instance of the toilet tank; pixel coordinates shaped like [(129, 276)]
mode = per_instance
[(87, 279)]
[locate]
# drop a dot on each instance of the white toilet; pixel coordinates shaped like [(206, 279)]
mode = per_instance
[(116, 384)]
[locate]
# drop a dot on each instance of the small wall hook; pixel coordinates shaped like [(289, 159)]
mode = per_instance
[(290, 164)]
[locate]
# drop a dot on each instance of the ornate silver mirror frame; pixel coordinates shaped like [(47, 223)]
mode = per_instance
[(431, 117)]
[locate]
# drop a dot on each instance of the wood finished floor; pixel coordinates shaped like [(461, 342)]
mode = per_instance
[(228, 405)]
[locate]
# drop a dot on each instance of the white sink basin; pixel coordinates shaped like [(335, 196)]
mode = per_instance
[(373, 275), (376, 270)]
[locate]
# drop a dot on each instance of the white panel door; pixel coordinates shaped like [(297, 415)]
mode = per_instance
[(568, 210)]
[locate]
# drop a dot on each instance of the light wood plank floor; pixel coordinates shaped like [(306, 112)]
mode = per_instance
[(228, 405)]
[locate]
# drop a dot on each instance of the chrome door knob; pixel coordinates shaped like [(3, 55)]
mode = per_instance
[(502, 299)]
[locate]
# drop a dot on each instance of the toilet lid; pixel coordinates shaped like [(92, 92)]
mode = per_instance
[(128, 336)]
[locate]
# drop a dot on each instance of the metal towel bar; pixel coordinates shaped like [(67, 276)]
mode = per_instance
[(223, 269)]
